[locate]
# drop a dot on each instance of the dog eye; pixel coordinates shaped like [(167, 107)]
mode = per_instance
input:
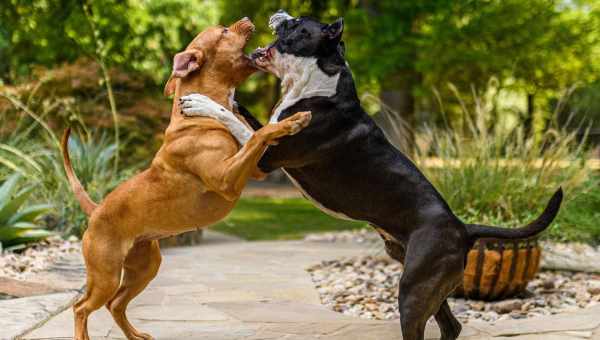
[(225, 30), (304, 31)]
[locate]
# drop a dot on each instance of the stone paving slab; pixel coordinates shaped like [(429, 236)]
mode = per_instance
[(64, 278), (18, 316), (260, 290), (21, 288), (582, 320)]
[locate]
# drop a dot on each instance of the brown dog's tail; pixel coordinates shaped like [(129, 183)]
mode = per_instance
[(476, 231), (82, 196)]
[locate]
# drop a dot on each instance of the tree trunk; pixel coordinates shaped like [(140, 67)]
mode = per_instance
[(528, 121), (397, 94)]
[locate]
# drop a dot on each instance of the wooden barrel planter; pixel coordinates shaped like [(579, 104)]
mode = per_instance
[(498, 269)]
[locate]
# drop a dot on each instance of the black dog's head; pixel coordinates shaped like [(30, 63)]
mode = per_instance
[(302, 37), (305, 36)]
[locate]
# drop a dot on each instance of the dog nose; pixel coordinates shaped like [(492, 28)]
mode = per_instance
[(244, 25)]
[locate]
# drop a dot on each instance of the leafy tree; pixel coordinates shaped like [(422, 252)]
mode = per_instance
[(136, 35), (398, 50)]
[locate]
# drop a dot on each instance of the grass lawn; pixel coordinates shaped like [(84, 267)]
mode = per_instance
[(279, 219)]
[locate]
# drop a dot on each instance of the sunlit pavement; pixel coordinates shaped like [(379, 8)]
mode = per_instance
[(260, 290)]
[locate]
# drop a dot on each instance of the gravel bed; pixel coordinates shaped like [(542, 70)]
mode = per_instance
[(23, 264), (367, 287)]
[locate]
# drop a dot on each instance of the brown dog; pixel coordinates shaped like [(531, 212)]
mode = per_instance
[(195, 179)]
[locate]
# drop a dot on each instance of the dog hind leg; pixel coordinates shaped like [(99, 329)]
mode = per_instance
[(449, 326), (140, 267), (104, 265), (433, 267)]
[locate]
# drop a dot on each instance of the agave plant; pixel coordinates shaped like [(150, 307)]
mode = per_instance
[(18, 222)]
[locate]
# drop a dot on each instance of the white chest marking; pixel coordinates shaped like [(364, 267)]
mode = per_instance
[(301, 79)]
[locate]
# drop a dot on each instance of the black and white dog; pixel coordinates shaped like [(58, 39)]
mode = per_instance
[(345, 165)]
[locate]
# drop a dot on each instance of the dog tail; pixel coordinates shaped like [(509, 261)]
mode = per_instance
[(476, 231), (82, 196)]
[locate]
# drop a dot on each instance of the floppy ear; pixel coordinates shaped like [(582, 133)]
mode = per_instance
[(184, 63), (334, 31), (170, 86)]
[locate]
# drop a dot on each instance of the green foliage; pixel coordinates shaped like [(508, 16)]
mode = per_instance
[(403, 48), (278, 219), (32, 151), (18, 222), (505, 177), (472, 40), (92, 158), (578, 220), (136, 35)]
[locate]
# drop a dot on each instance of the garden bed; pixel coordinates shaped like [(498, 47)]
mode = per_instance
[(367, 287), (22, 265)]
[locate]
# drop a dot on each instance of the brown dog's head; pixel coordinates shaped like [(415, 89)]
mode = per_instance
[(215, 55)]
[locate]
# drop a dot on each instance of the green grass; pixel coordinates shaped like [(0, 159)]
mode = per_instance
[(579, 216), (279, 219)]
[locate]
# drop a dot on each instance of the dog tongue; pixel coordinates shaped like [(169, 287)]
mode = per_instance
[(277, 18)]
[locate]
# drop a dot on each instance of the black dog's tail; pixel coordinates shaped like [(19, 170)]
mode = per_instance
[(476, 231)]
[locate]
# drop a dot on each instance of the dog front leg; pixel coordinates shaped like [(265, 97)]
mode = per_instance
[(197, 105), (227, 175)]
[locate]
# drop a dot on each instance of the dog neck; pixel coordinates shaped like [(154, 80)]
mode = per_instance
[(302, 78)]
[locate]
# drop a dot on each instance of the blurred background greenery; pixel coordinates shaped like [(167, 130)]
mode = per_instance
[(474, 83)]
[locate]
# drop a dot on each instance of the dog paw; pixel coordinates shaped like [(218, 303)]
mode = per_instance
[(297, 122), (198, 105), (135, 335), (145, 336)]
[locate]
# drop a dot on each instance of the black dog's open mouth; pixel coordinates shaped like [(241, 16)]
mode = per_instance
[(262, 56)]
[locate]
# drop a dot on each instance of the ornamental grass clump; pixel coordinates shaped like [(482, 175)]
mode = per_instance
[(505, 177)]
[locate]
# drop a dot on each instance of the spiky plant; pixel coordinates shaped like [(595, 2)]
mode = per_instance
[(18, 221)]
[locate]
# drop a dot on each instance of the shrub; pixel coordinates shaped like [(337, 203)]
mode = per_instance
[(92, 159), (19, 222), (31, 149)]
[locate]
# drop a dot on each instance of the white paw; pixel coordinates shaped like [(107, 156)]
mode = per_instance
[(195, 105)]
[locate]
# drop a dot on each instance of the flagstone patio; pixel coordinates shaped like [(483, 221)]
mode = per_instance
[(260, 290)]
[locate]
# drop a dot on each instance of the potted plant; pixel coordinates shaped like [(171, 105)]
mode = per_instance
[(498, 269)]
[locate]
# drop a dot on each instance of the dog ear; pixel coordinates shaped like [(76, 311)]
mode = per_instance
[(170, 86), (334, 31), (184, 63)]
